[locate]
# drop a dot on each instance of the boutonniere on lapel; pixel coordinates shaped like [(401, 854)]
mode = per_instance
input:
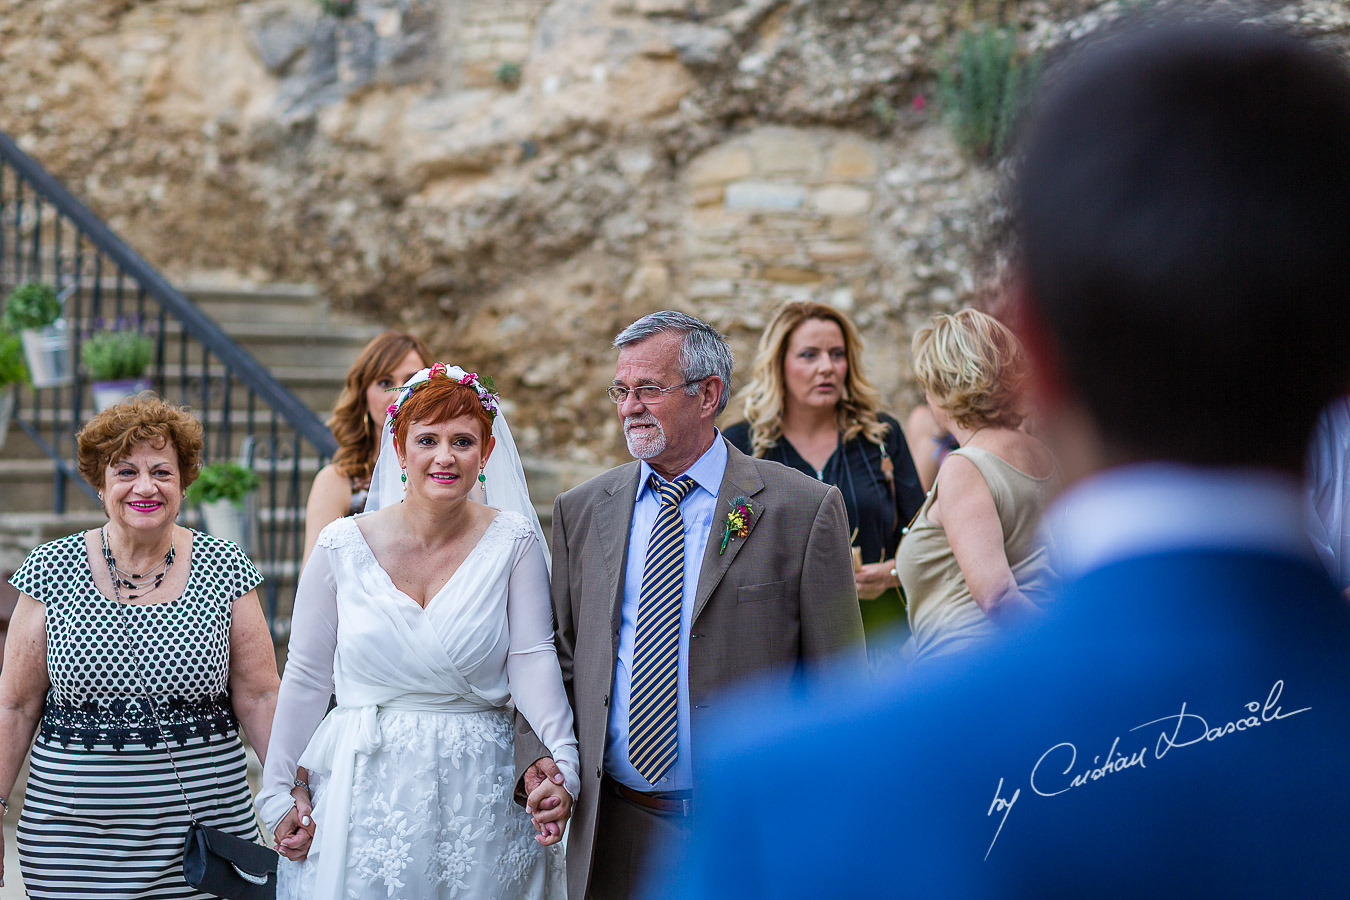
[(737, 523)]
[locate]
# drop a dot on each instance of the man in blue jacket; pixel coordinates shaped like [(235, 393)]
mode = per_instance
[(1177, 725)]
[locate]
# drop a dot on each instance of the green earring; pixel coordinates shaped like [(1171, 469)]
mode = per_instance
[(404, 476), (482, 479)]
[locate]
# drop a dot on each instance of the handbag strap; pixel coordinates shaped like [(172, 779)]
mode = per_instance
[(145, 692)]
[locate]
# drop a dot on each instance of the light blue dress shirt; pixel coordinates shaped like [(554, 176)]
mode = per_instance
[(697, 510)]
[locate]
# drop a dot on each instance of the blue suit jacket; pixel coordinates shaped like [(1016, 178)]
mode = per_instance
[(1143, 742)]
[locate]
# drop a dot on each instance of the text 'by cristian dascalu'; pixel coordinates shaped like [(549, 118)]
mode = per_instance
[(1058, 772)]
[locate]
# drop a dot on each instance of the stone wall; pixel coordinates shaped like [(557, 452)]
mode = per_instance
[(518, 179), (780, 214)]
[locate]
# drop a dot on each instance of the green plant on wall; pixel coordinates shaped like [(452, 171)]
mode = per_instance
[(508, 74), (223, 481), (983, 88), (117, 355), (339, 9), (12, 366), (31, 305)]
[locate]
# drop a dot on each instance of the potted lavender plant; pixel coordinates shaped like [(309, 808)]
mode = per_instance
[(117, 362)]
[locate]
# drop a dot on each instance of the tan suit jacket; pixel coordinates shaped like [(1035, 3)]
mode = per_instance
[(781, 597)]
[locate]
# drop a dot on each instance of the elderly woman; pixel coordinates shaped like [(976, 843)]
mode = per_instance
[(126, 637), (971, 561), (428, 614), (809, 406), (340, 487)]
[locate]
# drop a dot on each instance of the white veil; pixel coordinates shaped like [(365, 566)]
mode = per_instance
[(505, 488)]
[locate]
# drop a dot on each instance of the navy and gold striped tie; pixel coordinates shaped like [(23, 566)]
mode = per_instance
[(651, 708)]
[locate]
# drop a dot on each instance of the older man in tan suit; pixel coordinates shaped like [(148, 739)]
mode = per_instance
[(676, 580)]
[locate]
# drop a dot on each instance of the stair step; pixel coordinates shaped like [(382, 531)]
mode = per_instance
[(299, 304), (18, 445), (316, 386), (259, 326), (302, 294), (287, 344)]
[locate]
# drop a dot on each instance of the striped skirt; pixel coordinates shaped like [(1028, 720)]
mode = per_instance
[(110, 823)]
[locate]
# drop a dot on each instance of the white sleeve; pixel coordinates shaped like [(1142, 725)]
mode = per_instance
[(305, 688), (532, 671)]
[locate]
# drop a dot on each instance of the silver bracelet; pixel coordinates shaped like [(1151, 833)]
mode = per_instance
[(303, 784), (5, 805)]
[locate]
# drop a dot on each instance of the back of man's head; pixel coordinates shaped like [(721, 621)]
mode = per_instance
[(1184, 213)]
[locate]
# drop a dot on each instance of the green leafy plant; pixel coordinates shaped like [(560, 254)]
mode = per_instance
[(117, 355), (508, 74), (339, 9), (984, 88), (31, 305), (12, 365), (223, 481), (883, 110)]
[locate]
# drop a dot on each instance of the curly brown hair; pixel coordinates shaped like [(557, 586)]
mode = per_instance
[(357, 437), (113, 433)]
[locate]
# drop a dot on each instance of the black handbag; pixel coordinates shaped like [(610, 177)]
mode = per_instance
[(227, 866)]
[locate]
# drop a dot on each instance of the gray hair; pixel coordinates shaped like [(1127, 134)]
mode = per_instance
[(704, 352)]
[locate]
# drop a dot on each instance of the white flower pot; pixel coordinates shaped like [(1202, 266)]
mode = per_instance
[(111, 393), (48, 353), (6, 411), (224, 520)]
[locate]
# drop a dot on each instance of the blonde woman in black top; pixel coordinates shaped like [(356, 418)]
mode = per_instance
[(809, 406)]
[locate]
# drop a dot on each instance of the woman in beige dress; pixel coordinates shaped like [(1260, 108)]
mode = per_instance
[(972, 560)]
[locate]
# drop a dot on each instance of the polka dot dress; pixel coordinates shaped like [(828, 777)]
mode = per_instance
[(103, 814)]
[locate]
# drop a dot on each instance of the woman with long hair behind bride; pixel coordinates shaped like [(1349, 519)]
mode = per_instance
[(425, 617)]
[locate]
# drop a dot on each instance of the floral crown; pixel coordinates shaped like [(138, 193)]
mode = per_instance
[(482, 385)]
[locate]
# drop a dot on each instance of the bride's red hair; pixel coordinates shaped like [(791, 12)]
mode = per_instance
[(439, 400)]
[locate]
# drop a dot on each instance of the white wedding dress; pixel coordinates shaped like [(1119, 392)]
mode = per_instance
[(413, 773)]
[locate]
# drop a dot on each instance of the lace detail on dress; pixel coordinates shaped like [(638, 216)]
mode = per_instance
[(504, 530), (341, 534), (128, 720), (514, 525), (433, 816)]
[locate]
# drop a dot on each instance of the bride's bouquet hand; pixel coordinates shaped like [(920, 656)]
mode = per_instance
[(550, 806)]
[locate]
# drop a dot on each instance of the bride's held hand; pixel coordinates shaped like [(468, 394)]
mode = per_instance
[(296, 831), (550, 806)]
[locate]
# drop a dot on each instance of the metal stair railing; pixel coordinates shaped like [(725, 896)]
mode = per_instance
[(46, 235)]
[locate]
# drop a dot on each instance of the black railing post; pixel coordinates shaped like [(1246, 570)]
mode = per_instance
[(18, 232)]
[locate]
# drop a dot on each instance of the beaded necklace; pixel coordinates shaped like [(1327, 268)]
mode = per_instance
[(144, 583)]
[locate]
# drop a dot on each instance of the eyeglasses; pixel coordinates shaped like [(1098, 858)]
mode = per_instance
[(646, 394)]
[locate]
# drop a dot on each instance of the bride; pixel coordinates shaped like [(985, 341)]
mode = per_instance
[(425, 617)]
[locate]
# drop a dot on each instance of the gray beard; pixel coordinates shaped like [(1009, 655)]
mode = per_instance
[(646, 449)]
